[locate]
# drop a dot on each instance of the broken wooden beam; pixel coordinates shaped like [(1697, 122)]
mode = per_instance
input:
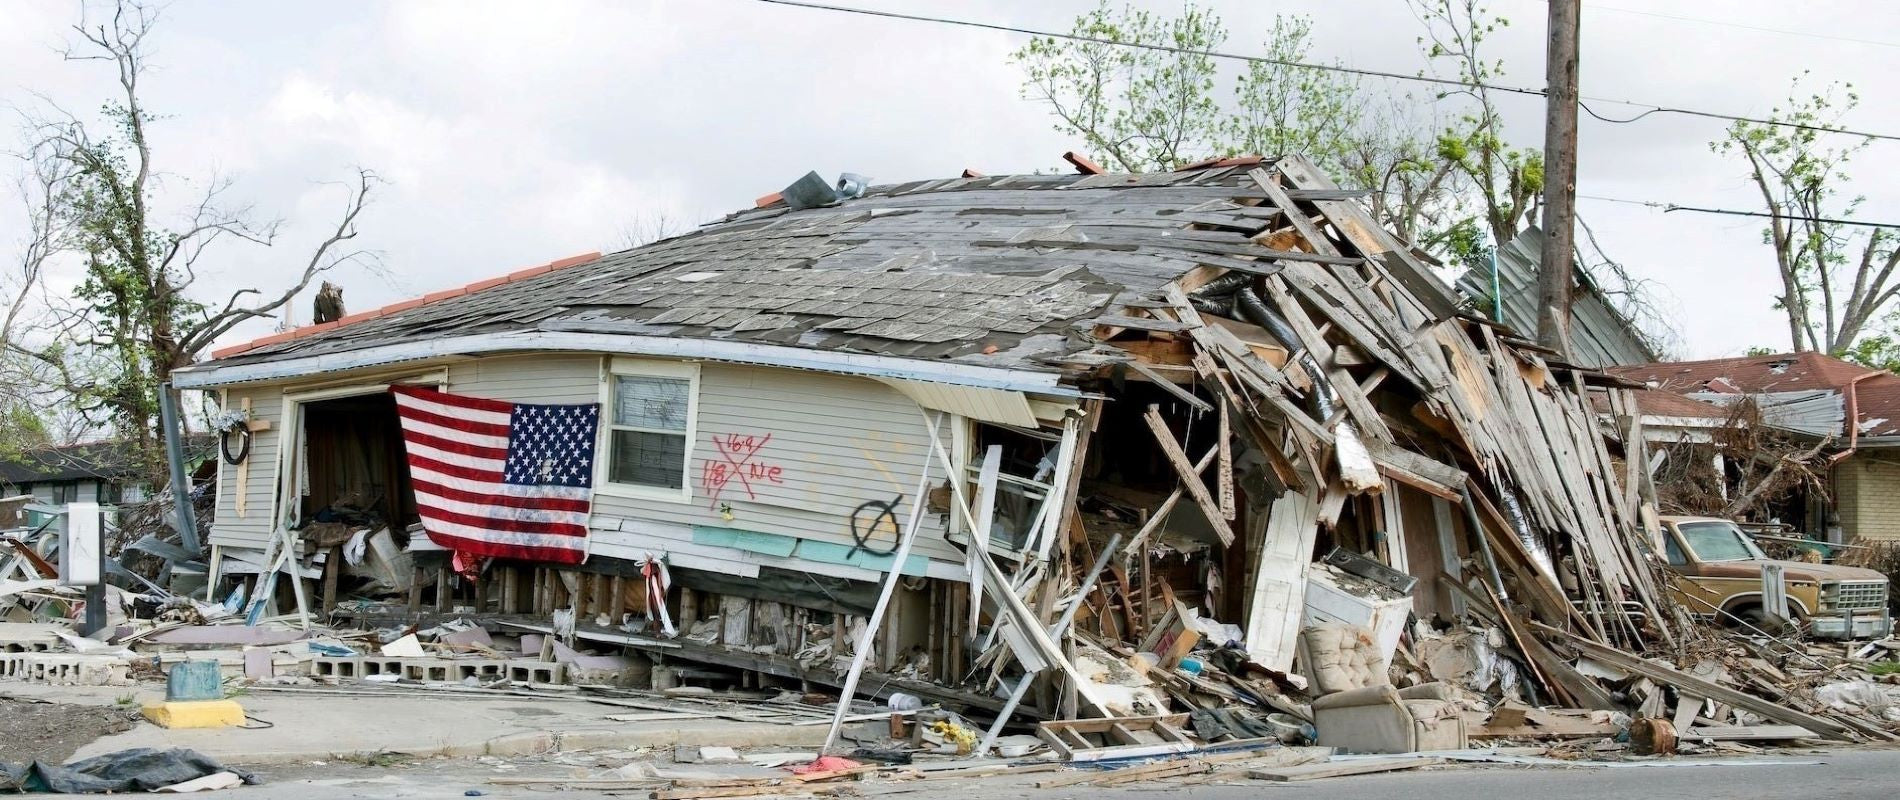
[(1693, 685), (1190, 477)]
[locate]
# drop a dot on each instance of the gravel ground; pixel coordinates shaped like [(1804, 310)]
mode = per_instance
[(35, 730)]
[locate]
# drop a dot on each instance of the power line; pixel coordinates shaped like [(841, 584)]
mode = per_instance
[(1669, 207), (1741, 26), (1650, 108)]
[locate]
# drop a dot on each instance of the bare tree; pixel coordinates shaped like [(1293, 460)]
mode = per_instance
[(1836, 279), (137, 318)]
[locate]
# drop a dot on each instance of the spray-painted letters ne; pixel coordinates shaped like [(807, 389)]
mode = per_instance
[(737, 461)]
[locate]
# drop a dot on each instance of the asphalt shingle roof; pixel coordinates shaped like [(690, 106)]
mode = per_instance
[(1002, 271)]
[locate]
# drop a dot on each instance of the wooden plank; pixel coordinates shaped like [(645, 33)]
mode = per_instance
[(1694, 685), (1139, 323), (1278, 196), (1340, 769), (1749, 733), (1372, 240), (1169, 386), (1189, 476)]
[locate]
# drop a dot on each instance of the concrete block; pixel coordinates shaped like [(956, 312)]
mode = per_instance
[(481, 669), (195, 714), (429, 670), (530, 671), (337, 667), (66, 669), (381, 665)]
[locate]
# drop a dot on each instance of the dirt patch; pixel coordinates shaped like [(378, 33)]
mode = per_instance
[(51, 732)]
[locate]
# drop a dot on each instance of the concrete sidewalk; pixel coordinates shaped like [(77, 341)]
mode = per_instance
[(316, 727)]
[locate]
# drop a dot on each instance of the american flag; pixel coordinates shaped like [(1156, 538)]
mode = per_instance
[(500, 479)]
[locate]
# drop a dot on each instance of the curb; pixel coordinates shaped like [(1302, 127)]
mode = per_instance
[(540, 742)]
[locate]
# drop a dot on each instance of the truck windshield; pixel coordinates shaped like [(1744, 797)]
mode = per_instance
[(1719, 541)]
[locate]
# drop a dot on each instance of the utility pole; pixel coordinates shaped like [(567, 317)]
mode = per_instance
[(1554, 277)]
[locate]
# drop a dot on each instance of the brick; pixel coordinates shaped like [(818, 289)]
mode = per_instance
[(227, 352), (445, 294)]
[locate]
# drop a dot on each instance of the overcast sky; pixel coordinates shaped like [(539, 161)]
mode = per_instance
[(515, 133)]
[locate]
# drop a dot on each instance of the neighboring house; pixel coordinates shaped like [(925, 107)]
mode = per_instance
[(1816, 397), (1600, 335), (102, 472)]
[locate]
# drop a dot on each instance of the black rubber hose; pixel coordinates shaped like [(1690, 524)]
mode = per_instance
[(1256, 311)]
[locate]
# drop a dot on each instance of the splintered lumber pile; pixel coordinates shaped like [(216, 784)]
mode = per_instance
[(1386, 383)]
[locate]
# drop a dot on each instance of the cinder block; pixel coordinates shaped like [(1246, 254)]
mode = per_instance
[(428, 670), (337, 667), (484, 670), (529, 671), (69, 669), (382, 665)]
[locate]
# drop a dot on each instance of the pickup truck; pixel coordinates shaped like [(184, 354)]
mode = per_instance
[(1715, 572)]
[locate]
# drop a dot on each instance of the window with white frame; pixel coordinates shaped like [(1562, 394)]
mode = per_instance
[(649, 422)]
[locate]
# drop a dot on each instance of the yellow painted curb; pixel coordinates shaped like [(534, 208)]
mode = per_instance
[(196, 714)]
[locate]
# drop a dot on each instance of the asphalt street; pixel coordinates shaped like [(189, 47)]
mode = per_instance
[(1843, 775)]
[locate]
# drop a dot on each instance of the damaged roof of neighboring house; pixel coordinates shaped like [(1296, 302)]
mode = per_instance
[(1658, 403), (1600, 335), (1007, 273), (109, 460), (1812, 390)]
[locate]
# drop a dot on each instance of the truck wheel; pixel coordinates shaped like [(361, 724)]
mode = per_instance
[(1756, 618)]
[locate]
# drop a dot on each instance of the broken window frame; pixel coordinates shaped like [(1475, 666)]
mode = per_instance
[(617, 367)]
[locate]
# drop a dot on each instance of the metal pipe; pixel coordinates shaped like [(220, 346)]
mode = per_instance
[(1484, 543), (175, 453)]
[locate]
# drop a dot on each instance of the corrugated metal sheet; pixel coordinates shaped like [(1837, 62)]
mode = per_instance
[(1599, 334), (1818, 412)]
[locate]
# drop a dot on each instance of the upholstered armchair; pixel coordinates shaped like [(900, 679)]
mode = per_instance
[(1355, 706)]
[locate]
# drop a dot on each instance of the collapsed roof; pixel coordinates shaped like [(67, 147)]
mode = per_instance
[(1009, 271)]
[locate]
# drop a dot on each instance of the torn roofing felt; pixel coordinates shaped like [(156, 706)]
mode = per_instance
[(1006, 271)]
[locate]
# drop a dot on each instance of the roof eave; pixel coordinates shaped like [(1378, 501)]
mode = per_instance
[(212, 374)]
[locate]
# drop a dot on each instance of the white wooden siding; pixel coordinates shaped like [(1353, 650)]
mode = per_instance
[(253, 529), (836, 442), (529, 379)]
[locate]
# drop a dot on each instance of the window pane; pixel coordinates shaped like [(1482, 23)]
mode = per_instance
[(1717, 541), (648, 459), (644, 402)]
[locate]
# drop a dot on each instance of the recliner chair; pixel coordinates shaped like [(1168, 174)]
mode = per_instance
[(1355, 706)]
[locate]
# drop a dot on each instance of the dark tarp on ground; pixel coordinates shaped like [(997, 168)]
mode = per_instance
[(140, 769)]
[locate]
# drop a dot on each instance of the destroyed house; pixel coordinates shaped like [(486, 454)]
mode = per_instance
[(1218, 403), (1849, 411)]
